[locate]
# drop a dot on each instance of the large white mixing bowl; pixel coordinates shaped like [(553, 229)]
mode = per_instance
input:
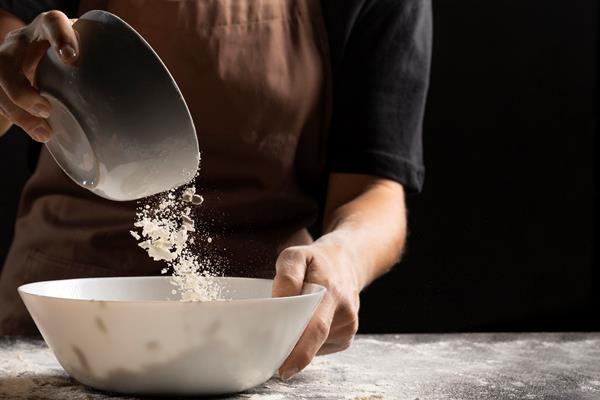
[(131, 335)]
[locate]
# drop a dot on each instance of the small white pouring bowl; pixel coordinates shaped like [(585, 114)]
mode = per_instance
[(131, 335), (121, 127)]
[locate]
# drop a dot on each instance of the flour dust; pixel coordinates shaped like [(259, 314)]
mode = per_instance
[(165, 228)]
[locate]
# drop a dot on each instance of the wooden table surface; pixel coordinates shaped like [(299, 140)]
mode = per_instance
[(419, 366)]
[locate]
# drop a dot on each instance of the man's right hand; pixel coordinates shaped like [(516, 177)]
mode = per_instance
[(20, 53)]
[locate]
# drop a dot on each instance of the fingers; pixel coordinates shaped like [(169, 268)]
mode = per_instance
[(12, 78), (345, 322), (338, 344), (56, 28), (19, 91), (32, 58), (333, 348), (335, 321), (290, 270), (20, 53), (35, 127), (340, 337), (311, 340)]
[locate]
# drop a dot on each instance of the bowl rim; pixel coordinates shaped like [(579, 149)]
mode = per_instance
[(23, 291)]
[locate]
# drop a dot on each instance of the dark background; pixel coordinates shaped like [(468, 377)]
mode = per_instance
[(502, 237)]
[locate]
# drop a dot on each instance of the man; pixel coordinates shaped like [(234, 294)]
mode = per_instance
[(289, 97)]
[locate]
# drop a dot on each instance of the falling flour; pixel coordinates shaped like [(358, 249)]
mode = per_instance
[(165, 229)]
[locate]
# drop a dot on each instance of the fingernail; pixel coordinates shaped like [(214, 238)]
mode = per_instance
[(40, 110), (41, 134), (287, 374), (67, 52)]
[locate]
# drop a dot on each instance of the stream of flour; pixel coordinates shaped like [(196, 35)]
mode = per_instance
[(164, 227)]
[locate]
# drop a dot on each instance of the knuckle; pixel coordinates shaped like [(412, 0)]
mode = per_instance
[(18, 96), (318, 262), (9, 75), (14, 87), (327, 281), (321, 328), (348, 311), (290, 254), (26, 123), (8, 113), (288, 260), (52, 16), (353, 326), (345, 345), (287, 278), (18, 117), (319, 272), (303, 358)]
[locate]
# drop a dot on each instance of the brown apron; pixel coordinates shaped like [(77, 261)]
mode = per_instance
[(255, 75)]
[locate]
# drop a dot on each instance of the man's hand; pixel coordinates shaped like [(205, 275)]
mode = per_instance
[(364, 230), (335, 321), (20, 53)]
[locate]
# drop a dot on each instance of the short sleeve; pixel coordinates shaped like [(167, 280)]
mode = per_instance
[(27, 10), (380, 80)]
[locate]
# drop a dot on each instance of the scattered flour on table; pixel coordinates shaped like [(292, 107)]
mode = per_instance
[(165, 228)]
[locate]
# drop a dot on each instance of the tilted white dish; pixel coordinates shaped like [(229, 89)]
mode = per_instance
[(131, 335), (121, 127)]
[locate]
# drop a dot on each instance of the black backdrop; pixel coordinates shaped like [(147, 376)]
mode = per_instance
[(502, 237)]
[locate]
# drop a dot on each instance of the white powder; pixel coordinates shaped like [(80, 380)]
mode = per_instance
[(165, 229), (188, 193), (197, 199)]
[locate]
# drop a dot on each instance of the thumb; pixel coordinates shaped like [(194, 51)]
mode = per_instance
[(290, 270), (57, 29)]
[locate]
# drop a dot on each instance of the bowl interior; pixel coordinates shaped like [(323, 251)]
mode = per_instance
[(154, 289)]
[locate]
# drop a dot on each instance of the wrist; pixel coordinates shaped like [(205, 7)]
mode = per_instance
[(340, 249)]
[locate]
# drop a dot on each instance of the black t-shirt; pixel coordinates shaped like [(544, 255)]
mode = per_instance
[(380, 57)]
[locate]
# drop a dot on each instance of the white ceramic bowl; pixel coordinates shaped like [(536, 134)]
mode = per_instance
[(131, 335), (121, 127)]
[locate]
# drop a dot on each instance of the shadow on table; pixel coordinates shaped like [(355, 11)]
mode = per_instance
[(29, 386), (50, 387), (35, 386)]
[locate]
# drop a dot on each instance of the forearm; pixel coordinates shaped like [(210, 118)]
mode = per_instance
[(369, 230)]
